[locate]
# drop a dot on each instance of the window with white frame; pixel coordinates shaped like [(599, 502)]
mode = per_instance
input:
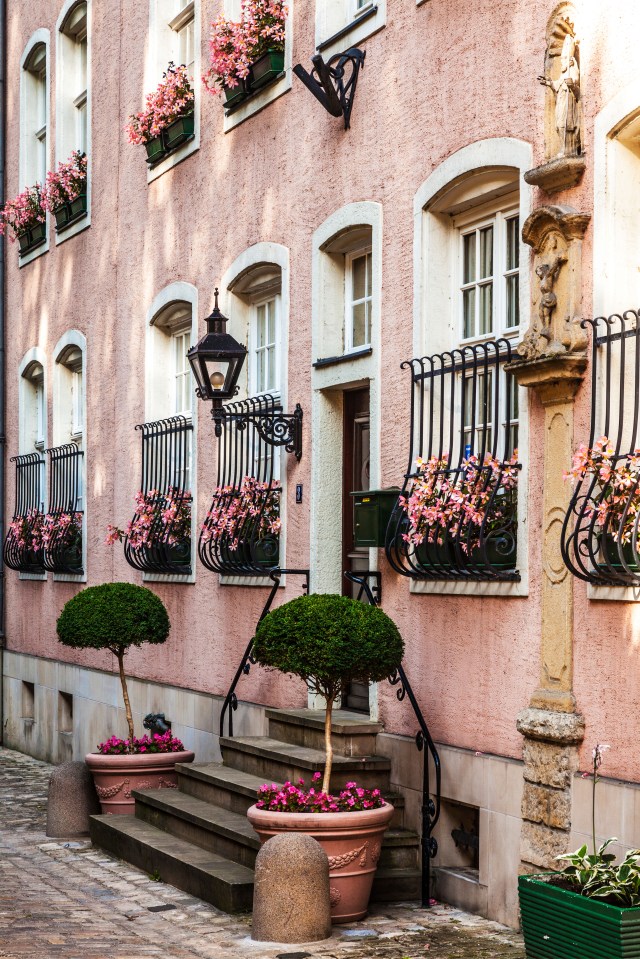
[(34, 118), (358, 299), (173, 37), (73, 83), (490, 276), (181, 377), (33, 421), (346, 23), (263, 341), (183, 25)]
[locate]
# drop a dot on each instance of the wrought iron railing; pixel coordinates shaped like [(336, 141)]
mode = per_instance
[(600, 532), (430, 808), (22, 549), (62, 552), (231, 700), (240, 533), (159, 537), (461, 462)]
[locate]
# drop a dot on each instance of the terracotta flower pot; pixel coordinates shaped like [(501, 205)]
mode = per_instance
[(115, 777), (351, 840)]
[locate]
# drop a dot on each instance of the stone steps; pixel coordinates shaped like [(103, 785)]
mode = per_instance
[(200, 872), (278, 761), (198, 838)]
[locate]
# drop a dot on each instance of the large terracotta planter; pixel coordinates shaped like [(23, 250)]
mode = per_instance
[(115, 777), (351, 840)]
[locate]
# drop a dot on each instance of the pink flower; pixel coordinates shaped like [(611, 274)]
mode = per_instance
[(173, 98)]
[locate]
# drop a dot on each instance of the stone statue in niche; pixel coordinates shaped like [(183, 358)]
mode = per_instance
[(566, 89), (547, 273)]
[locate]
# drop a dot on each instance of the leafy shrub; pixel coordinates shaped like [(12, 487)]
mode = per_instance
[(329, 641)]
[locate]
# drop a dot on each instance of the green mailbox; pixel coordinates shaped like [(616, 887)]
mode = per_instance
[(372, 511)]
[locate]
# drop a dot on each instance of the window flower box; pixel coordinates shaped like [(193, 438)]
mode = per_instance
[(178, 132), (31, 238), (70, 212), (167, 120), (266, 68), (235, 95), (499, 553)]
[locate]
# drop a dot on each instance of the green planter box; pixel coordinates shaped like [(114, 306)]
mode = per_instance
[(264, 553), (235, 95), (372, 511), (266, 68), (178, 132), (180, 555), (611, 555), (70, 212), (155, 150), (431, 556), (32, 238), (559, 924)]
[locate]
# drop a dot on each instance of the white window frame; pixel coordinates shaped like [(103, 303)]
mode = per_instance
[(166, 19), (31, 130), (254, 349), (180, 24), (30, 410), (350, 302), (341, 24), (71, 101)]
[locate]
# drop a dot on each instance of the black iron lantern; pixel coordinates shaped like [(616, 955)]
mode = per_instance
[(216, 360)]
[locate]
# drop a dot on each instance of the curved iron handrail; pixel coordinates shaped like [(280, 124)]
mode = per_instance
[(230, 703), (592, 550), (457, 389), (28, 509), (430, 809), (63, 550), (165, 460)]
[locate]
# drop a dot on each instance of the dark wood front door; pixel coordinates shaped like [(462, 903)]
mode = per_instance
[(355, 477)]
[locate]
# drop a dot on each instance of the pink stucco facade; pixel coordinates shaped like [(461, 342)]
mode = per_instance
[(438, 77)]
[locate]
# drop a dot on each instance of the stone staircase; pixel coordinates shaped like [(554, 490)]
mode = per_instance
[(197, 837)]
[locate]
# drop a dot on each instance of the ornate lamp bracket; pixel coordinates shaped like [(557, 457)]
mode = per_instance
[(274, 427), (334, 83)]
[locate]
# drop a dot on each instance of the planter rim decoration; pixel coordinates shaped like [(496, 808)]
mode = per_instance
[(559, 923), (351, 840), (116, 777)]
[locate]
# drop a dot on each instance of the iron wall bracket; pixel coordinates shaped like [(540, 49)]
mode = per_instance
[(334, 83), (275, 428)]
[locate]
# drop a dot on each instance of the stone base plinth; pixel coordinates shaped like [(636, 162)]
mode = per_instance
[(559, 174)]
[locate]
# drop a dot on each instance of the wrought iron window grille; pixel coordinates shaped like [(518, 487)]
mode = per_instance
[(159, 537), (334, 83), (462, 406), (599, 540), (18, 552), (238, 536), (63, 524)]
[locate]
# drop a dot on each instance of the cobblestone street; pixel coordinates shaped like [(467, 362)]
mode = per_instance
[(69, 900)]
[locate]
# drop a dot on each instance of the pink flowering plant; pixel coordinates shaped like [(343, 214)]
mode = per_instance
[(291, 798), (614, 492), (173, 98), (159, 519), (23, 213), (156, 743), (26, 531), (67, 183), (252, 510), (462, 504), (234, 46)]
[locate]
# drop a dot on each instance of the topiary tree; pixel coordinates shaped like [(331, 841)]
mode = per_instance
[(329, 641), (114, 616)]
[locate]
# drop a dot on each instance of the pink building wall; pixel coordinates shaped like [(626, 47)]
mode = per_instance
[(438, 77)]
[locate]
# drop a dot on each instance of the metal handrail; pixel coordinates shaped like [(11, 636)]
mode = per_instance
[(430, 809), (247, 661)]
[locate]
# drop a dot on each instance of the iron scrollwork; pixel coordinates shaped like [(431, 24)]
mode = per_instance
[(18, 553), (334, 83), (274, 426)]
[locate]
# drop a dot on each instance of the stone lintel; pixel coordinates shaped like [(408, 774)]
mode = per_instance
[(562, 173), (550, 726), (555, 378)]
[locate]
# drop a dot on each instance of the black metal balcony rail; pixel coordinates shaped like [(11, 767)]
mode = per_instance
[(159, 537), (62, 540), (463, 416), (237, 537), (599, 541), (22, 548), (430, 807), (230, 704)]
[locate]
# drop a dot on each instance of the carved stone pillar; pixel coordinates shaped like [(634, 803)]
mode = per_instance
[(552, 361)]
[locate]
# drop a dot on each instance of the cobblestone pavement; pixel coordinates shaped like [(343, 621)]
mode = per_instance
[(70, 900)]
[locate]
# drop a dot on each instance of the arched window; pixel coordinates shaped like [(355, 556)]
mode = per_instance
[(34, 112), (72, 80)]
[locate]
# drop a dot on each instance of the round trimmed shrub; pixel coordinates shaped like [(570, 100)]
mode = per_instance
[(329, 641)]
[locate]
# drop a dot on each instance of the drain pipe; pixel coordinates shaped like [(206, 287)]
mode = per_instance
[(3, 438)]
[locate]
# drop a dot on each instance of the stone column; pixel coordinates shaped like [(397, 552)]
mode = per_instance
[(552, 361)]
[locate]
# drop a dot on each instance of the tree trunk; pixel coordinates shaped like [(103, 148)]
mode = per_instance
[(125, 696), (328, 748)]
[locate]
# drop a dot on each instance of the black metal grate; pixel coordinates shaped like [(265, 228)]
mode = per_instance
[(25, 529), (233, 540), (63, 523), (600, 531), (158, 539), (464, 425)]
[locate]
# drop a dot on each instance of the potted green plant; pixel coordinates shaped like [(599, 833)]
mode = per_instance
[(26, 218), (330, 641), (244, 523), (167, 120), (589, 910), (161, 527), (65, 191), (117, 616)]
